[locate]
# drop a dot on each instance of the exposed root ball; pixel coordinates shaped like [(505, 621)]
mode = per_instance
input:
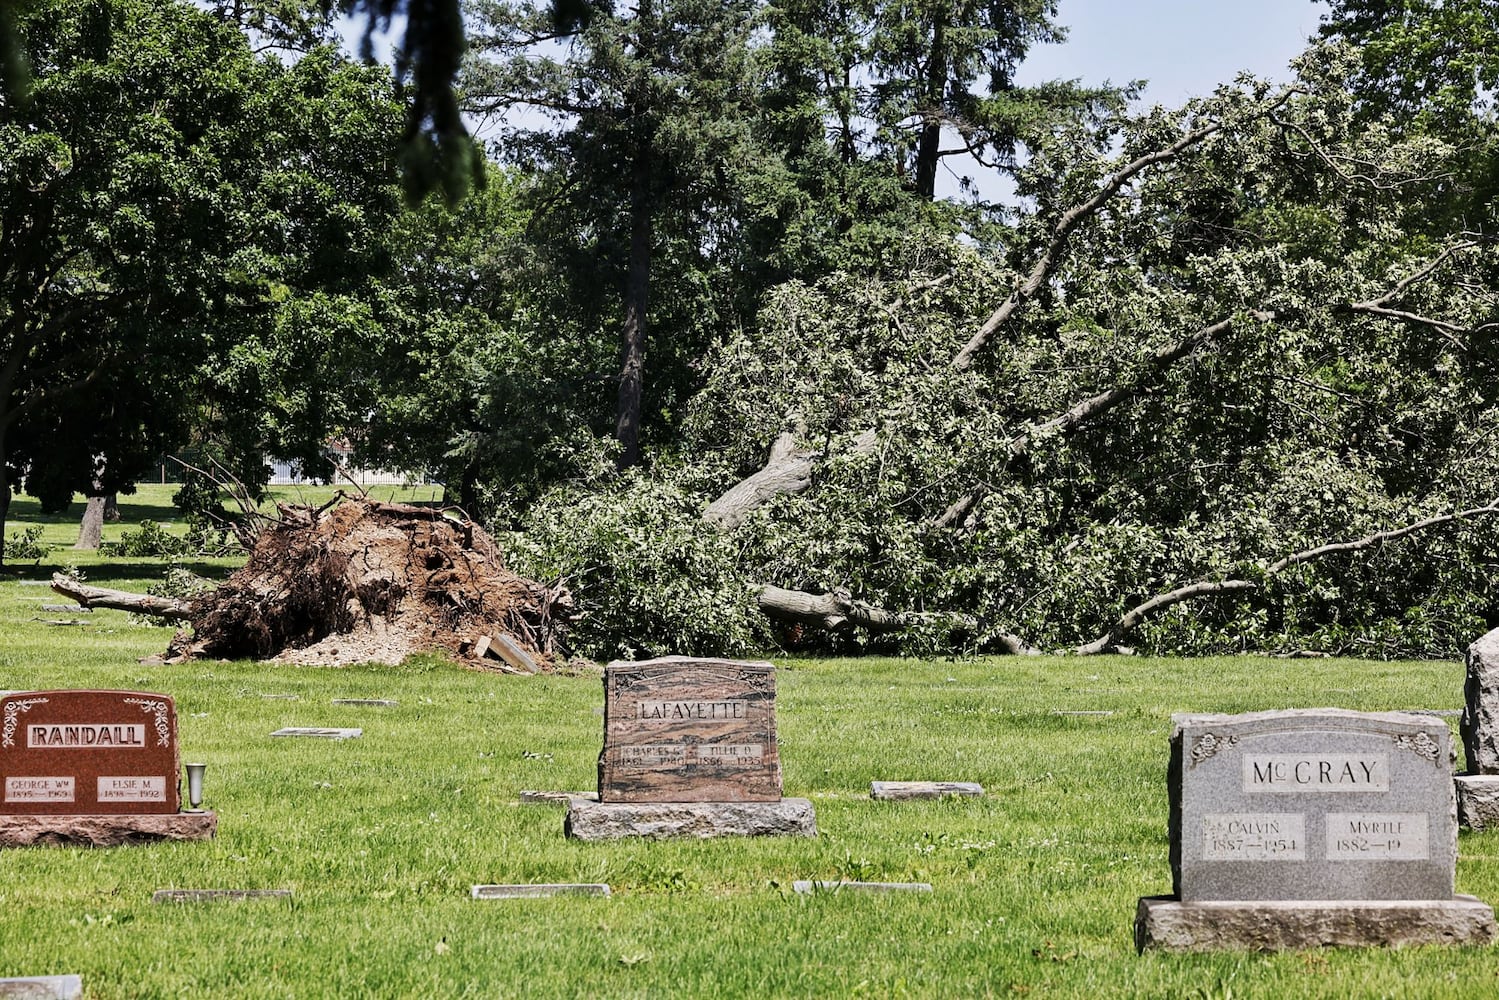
[(370, 581)]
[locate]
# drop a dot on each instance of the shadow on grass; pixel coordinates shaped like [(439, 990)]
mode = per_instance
[(100, 573)]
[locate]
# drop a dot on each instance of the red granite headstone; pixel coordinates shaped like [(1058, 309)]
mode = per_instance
[(88, 753), (680, 729)]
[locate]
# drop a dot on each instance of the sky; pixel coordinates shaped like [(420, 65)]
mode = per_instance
[(1181, 48), (1184, 48)]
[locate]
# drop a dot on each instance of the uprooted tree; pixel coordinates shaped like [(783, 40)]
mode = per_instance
[(1232, 386), (362, 581)]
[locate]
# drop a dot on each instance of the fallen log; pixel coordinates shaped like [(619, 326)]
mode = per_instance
[(122, 600)]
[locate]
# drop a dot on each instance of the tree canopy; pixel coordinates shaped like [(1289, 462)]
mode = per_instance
[(707, 346)]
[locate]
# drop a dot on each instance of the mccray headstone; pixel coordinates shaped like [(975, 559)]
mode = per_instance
[(1478, 789), (1310, 827), (93, 767), (689, 750)]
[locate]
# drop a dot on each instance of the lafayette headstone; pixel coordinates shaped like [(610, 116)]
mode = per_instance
[(1309, 827), (92, 767), (1478, 789), (689, 730), (689, 751)]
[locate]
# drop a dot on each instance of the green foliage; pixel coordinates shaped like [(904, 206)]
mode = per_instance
[(27, 544), (151, 539), (650, 577)]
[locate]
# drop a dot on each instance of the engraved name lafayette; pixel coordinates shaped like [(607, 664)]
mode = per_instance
[(1288, 772), (87, 735), (687, 711)]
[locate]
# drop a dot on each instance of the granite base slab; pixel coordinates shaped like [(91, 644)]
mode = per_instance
[(660, 820), (1477, 801), (1164, 923), (105, 831)]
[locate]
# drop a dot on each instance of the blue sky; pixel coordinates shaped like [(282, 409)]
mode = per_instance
[(1184, 48)]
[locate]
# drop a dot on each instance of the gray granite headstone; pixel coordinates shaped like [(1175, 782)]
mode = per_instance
[(1312, 804), (1480, 722)]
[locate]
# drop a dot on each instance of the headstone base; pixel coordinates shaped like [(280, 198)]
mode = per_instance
[(1166, 924), (1478, 801), (105, 831), (658, 820)]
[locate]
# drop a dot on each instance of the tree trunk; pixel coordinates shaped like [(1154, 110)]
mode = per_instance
[(112, 508), (4, 492), (101, 597), (91, 530), (638, 279), (929, 143)]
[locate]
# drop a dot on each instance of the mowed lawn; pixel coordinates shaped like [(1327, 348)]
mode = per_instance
[(380, 838)]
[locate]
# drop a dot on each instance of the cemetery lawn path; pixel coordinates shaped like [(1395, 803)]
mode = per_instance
[(380, 838)]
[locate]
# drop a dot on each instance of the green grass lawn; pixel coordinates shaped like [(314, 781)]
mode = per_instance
[(381, 837)]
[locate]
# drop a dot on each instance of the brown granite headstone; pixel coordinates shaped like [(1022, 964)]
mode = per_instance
[(681, 729), (88, 753)]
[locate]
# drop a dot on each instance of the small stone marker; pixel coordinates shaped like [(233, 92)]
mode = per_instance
[(1478, 789), (367, 702), (532, 797), (689, 750), (688, 730), (1306, 828), (41, 988), (902, 790), (1096, 712), (216, 895), (539, 890), (67, 608), (320, 733), (281, 697), (808, 887)]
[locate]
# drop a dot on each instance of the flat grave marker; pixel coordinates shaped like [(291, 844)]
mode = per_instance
[(540, 890), (41, 988), (320, 732), (216, 895), (902, 790), (367, 702), (808, 887)]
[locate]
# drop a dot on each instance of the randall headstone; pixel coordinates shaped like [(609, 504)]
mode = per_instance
[(98, 768), (1285, 824), (680, 729), (88, 752)]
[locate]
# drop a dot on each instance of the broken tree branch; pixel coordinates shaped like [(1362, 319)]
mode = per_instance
[(121, 600), (1050, 257), (1136, 616)]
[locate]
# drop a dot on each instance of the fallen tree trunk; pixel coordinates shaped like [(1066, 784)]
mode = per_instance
[(120, 600)]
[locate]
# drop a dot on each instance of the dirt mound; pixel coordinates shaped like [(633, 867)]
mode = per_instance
[(361, 581)]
